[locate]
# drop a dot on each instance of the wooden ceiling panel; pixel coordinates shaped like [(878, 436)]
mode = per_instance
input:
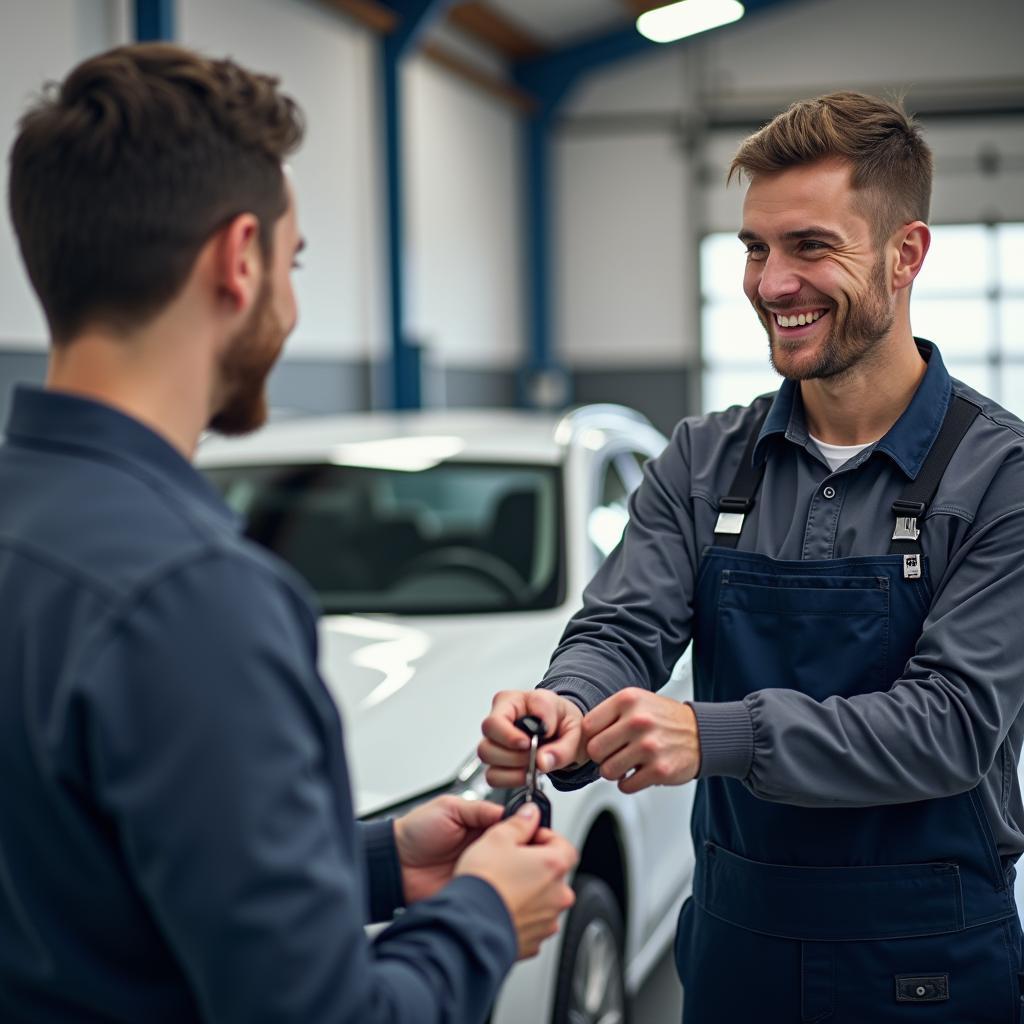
[(491, 27), (638, 7), (367, 12)]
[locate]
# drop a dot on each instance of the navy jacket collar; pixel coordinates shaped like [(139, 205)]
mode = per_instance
[(909, 439), (56, 419)]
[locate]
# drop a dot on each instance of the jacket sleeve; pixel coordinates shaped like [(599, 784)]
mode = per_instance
[(384, 872), (637, 611), (217, 753)]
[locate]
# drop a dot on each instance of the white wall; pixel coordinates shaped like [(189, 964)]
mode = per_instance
[(618, 260), (622, 263), (329, 65), (462, 174), (39, 41), (464, 221)]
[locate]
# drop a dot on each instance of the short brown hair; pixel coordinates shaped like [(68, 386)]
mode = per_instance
[(121, 173), (889, 158)]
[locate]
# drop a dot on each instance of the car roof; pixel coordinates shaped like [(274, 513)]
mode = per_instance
[(468, 435)]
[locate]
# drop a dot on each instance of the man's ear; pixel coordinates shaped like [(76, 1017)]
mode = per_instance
[(238, 262), (912, 242)]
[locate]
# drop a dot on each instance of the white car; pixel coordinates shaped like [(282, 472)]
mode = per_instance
[(448, 551)]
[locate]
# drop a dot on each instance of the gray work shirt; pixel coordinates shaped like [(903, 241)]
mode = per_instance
[(950, 722)]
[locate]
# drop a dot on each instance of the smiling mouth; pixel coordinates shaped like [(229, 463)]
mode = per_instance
[(798, 319)]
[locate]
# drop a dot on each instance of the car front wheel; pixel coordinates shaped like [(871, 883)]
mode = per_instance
[(591, 987)]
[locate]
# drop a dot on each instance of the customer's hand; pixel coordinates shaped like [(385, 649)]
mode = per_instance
[(506, 749), (431, 838), (641, 739), (527, 866)]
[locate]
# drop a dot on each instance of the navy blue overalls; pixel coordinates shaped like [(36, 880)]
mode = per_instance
[(899, 913)]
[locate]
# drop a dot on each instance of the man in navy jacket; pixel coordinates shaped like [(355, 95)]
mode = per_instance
[(177, 839)]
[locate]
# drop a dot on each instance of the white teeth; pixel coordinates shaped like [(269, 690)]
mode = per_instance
[(799, 319)]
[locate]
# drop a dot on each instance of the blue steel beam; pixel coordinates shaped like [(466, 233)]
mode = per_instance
[(550, 78), (416, 17), (154, 20)]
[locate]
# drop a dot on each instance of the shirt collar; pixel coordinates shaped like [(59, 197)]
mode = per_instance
[(908, 440), (55, 419)]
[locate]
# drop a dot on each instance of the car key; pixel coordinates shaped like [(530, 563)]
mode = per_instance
[(531, 792)]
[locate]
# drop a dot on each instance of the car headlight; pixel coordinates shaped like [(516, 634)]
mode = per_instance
[(470, 783)]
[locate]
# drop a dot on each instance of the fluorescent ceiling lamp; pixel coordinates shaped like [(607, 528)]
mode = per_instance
[(687, 18)]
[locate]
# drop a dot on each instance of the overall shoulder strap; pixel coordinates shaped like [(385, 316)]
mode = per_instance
[(734, 506), (913, 503)]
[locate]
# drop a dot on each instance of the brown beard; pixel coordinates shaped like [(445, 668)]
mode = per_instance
[(869, 318), (244, 368)]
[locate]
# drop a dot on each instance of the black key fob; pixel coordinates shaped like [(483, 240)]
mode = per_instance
[(524, 795)]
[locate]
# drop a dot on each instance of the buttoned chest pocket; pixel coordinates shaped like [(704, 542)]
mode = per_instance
[(823, 635)]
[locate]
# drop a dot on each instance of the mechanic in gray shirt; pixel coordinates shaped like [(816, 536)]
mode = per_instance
[(177, 840), (846, 556)]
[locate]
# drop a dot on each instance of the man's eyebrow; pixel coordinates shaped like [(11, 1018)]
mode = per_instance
[(826, 234), (812, 232)]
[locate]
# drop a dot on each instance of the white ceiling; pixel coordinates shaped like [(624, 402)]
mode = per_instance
[(556, 22)]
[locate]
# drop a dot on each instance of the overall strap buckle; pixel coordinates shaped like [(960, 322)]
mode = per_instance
[(907, 515), (909, 509), (731, 512)]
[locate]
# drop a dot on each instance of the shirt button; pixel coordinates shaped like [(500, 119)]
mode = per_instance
[(920, 990), (829, 492)]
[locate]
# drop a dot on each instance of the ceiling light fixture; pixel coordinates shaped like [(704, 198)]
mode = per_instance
[(687, 18)]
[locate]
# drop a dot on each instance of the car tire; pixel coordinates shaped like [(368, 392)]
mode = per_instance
[(591, 985)]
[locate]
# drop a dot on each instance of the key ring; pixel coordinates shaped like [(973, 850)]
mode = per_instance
[(531, 771)]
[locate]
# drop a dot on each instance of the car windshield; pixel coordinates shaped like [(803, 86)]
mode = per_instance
[(457, 537)]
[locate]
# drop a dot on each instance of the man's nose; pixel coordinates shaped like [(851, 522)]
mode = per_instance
[(779, 278)]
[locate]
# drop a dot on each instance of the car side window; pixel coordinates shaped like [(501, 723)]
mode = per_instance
[(618, 478)]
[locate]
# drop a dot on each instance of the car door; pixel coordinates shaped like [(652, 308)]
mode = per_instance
[(667, 863)]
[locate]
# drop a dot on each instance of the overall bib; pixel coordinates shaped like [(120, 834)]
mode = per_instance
[(870, 915)]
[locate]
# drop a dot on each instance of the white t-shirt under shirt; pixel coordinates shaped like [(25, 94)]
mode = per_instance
[(838, 454)]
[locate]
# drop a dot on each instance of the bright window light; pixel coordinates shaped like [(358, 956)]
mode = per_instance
[(687, 18)]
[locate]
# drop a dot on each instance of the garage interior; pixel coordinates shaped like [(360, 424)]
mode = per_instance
[(522, 204)]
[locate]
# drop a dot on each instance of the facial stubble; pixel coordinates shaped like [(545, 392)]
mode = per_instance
[(245, 366), (869, 318)]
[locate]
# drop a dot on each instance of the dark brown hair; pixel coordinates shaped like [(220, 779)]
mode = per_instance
[(891, 163), (121, 173)]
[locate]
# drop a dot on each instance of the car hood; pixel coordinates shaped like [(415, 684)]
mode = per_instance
[(413, 691)]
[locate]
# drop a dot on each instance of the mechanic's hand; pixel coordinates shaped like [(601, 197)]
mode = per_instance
[(653, 737), (506, 749), (431, 838), (527, 865)]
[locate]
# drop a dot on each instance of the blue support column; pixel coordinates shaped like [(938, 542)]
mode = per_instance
[(154, 20), (543, 380), (416, 15)]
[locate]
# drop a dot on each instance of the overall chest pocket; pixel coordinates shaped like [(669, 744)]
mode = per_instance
[(823, 635)]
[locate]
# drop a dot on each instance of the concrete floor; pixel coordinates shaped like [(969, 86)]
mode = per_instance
[(660, 1001)]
